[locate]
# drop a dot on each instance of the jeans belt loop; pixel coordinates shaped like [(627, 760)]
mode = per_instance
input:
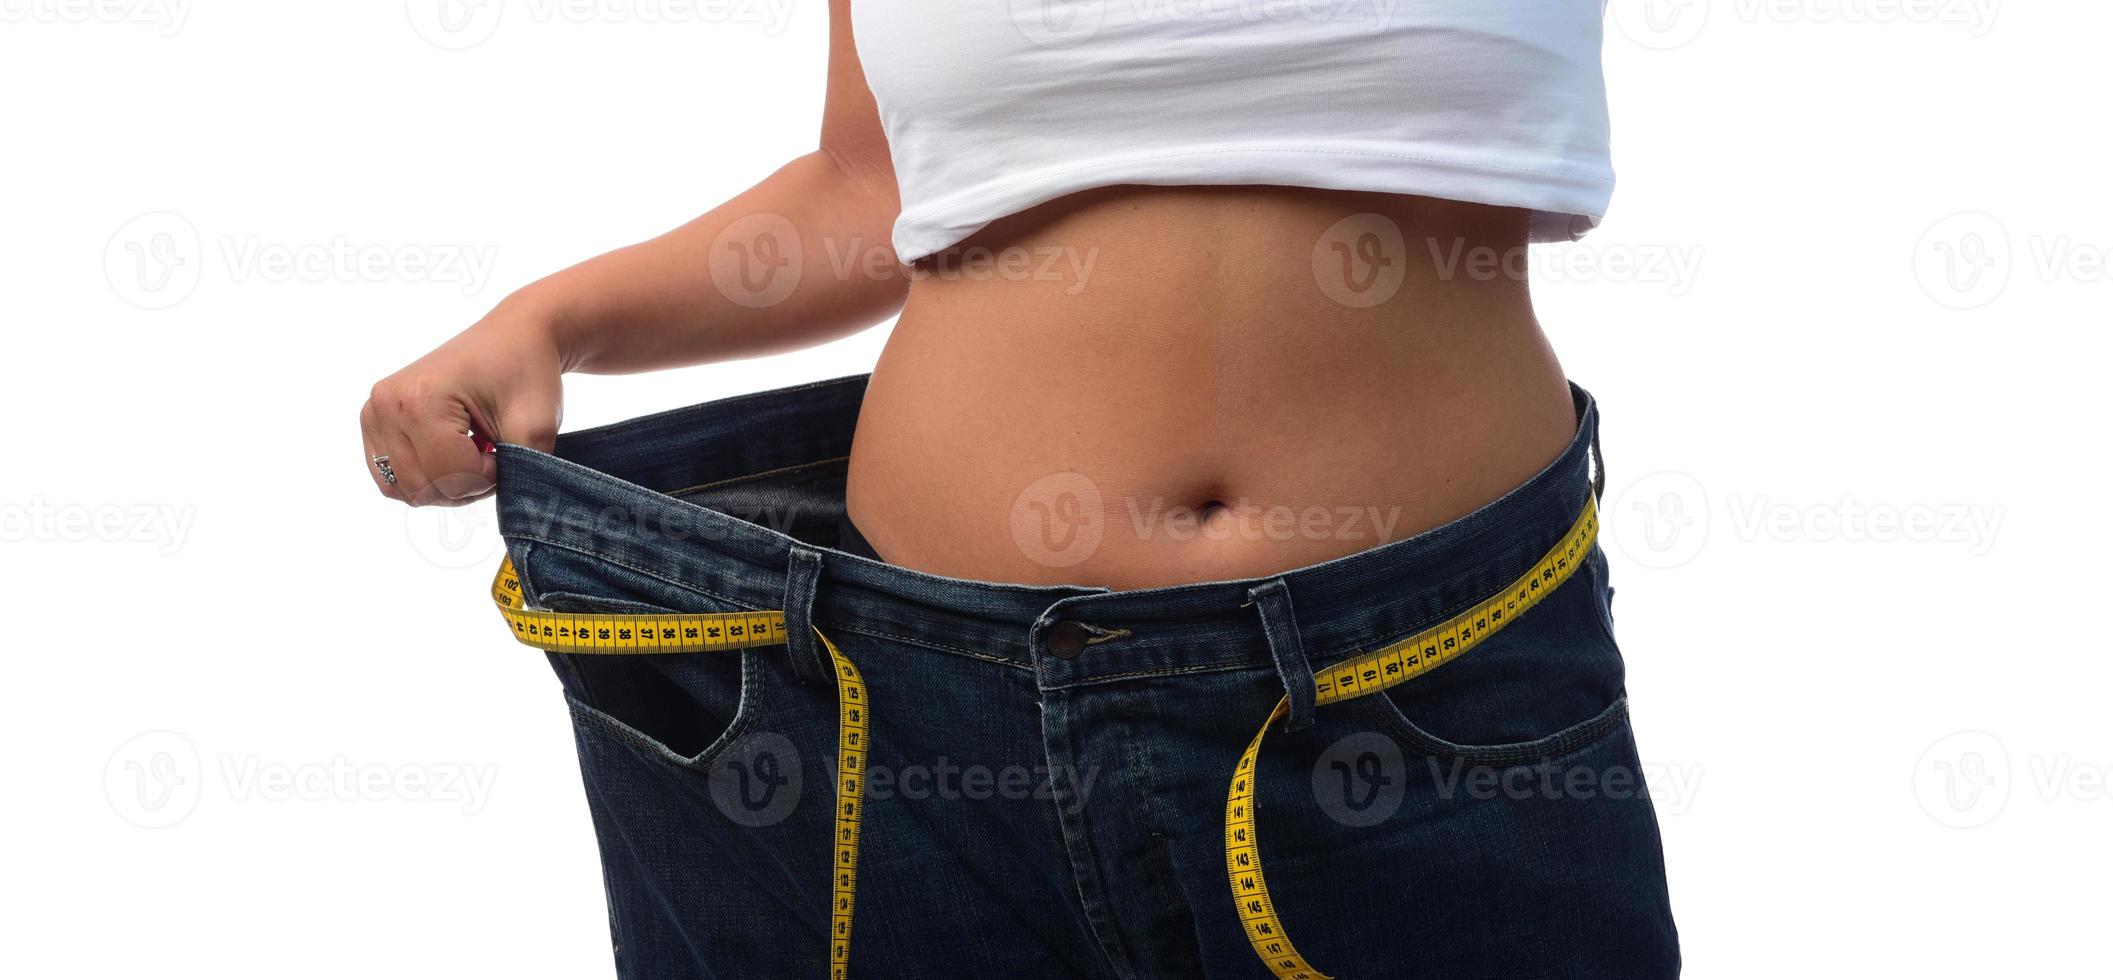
[(1273, 600), (803, 571)]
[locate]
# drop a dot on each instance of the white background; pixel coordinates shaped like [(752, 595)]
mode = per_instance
[(1849, 518)]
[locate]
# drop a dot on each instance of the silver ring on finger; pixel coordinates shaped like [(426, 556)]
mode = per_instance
[(381, 464)]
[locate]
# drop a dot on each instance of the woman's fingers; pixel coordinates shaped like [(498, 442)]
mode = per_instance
[(494, 382), (454, 470), (427, 442)]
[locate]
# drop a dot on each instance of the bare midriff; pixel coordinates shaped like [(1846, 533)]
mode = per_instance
[(1144, 386)]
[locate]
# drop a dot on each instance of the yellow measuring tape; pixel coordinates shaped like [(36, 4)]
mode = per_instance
[(597, 633), (713, 633), (1354, 678)]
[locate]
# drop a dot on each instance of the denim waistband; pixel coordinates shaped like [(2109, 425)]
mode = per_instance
[(607, 492)]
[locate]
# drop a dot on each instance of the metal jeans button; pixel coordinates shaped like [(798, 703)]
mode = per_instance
[(1066, 639)]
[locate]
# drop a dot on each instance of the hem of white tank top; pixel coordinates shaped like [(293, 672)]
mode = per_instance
[(1558, 209)]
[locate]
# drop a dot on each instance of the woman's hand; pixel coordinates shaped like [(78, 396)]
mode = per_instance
[(644, 307), (435, 420)]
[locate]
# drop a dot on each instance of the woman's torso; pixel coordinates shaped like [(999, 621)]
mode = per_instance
[(1138, 386)]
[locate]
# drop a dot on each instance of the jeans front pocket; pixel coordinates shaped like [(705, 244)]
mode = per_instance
[(1388, 717), (1548, 684), (684, 710), (1537, 859)]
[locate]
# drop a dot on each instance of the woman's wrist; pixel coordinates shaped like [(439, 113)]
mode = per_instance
[(542, 315)]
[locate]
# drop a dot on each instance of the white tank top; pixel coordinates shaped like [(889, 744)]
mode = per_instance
[(994, 106)]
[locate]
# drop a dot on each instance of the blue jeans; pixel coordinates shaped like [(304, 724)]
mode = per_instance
[(1048, 766)]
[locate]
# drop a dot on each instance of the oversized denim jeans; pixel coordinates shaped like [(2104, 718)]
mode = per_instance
[(1048, 765)]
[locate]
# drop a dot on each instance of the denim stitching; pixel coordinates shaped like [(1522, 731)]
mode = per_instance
[(928, 644), (748, 704), (1349, 650), (1215, 666), (1082, 852), (1569, 741), (620, 563)]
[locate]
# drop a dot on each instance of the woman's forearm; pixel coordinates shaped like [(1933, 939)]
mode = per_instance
[(801, 258)]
